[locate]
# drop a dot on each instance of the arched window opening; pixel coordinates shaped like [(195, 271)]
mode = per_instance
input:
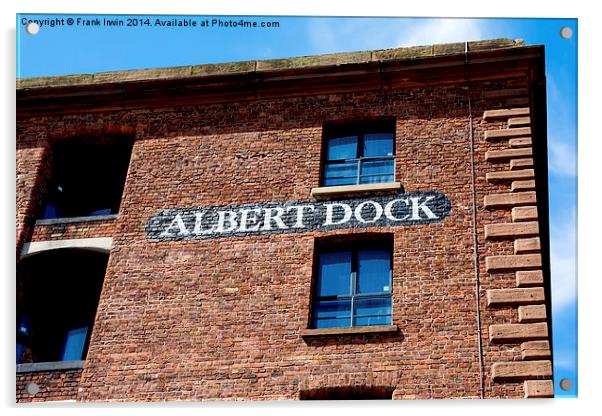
[(57, 306)]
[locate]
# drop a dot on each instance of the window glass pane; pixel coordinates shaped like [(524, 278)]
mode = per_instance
[(342, 148), (332, 322), (334, 274), (332, 313), (372, 311), (341, 170), (377, 179), (375, 167), (24, 325), (374, 268), (74, 343), (378, 144), (51, 211), (104, 211), (340, 181), (20, 350)]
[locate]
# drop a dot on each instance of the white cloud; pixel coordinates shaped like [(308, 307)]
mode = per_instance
[(563, 263), (339, 35), (562, 157), (431, 31), (565, 359), (562, 136)]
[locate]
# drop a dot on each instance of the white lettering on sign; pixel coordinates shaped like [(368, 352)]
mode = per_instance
[(249, 223), (377, 214), (297, 216), (276, 218), (389, 208), (198, 223), (226, 217), (330, 209), (177, 221), (417, 205)]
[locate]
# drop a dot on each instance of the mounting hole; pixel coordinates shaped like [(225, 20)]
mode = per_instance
[(32, 28), (566, 384), (33, 388), (566, 32)]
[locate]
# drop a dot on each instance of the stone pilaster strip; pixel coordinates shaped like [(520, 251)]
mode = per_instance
[(493, 135), (512, 262), (519, 122), (510, 200), (527, 278), (510, 175), (511, 230), (518, 332), (529, 295), (535, 350), (505, 113), (538, 389), (521, 186), (508, 154), (520, 214), (527, 245), (521, 163), (520, 142), (521, 370), (515, 296), (532, 313)]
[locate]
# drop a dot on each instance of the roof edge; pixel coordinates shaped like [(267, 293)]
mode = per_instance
[(231, 68)]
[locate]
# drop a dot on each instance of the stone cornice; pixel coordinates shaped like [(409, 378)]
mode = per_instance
[(255, 80)]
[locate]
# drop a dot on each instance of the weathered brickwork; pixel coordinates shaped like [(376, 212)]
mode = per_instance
[(221, 319), (48, 386), (65, 231)]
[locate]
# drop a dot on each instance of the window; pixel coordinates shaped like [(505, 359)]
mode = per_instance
[(56, 308), (353, 285), (87, 178), (359, 154)]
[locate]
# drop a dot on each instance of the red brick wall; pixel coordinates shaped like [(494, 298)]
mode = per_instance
[(66, 231), (221, 319), (51, 385)]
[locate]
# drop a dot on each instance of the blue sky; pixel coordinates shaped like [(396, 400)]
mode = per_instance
[(71, 49)]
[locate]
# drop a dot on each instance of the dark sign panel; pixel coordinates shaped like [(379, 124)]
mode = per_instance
[(297, 216)]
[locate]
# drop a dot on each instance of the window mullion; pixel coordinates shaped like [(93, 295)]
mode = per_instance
[(353, 284), (360, 153)]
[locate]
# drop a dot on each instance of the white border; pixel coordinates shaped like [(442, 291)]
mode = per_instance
[(590, 202)]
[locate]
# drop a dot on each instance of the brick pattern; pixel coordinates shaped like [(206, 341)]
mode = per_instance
[(51, 386), (513, 145), (92, 229), (223, 319)]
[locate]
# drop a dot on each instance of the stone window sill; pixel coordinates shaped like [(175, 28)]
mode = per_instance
[(50, 366), (71, 220), (333, 191), (373, 329)]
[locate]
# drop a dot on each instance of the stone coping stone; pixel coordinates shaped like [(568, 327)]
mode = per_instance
[(190, 71)]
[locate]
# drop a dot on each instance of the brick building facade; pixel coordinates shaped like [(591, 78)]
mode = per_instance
[(178, 229)]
